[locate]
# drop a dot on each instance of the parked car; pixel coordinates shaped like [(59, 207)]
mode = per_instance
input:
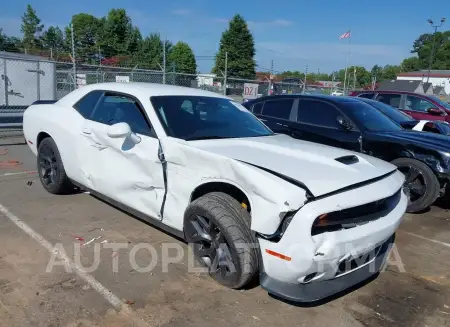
[(407, 122), (203, 167), (349, 123), (418, 106)]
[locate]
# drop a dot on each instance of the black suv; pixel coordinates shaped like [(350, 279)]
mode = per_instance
[(350, 123)]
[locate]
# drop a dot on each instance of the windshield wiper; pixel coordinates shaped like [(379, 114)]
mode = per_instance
[(209, 137)]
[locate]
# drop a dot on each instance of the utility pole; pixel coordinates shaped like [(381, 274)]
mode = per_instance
[(164, 61), (434, 43), (354, 78), (73, 57), (51, 53), (304, 82), (270, 91), (99, 56), (225, 74)]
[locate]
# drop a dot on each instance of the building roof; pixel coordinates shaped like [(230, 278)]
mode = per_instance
[(433, 73), (16, 55), (399, 85), (426, 86), (438, 89)]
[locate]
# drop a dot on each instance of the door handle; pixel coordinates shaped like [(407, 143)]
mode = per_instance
[(86, 131), (99, 146), (282, 125)]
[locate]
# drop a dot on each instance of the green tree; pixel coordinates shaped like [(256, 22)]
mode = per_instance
[(410, 64), (390, 72), (31, 27), (116, 30), (183, 59), (53, 38), (151, 53), (238, 42), (86, 35), (133, 41), (423, 46), (8, 43)]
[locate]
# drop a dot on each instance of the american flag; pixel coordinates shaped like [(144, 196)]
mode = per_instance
[(346, 35)]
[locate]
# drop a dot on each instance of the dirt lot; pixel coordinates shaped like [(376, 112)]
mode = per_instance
[(32, 222)]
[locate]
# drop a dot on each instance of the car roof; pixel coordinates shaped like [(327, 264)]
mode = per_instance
[(140, 90), (392, 92), (327, 98)]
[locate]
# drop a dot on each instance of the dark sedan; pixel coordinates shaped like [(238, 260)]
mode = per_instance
[(350, 123), (407, 122)]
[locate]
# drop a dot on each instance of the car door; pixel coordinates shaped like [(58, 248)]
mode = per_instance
[(418, 108), (126, 169), (276, 114), (318, 121)]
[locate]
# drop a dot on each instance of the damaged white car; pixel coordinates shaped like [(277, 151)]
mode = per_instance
[(309, 219)]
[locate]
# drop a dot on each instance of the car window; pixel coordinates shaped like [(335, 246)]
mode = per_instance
[(396, 115), (366, 95), (280, 108), (115, 108), (210, 118), (370, 118), (86, 105), (317, 113), (391, 99), (418, 104), (257, 108)]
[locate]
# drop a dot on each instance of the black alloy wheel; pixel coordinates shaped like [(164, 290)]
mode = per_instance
[(48, 166), (421, 184), (217, 227), (51, 169), (211, 248), (415, 183)]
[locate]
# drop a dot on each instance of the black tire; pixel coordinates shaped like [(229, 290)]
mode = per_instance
[(51, 169), (421, 183), (228, 225)]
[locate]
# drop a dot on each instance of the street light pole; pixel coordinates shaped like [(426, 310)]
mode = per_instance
[(433, 48)]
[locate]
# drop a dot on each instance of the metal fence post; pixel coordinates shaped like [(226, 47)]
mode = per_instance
[(6, 81), (225, 74), (38, 80)]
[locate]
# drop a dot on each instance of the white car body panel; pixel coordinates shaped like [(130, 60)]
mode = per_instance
[(133, 174)]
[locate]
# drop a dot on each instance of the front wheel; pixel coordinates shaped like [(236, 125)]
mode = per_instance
[(218, 228), (420, 182)]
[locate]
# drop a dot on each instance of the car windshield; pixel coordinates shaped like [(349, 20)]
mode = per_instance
[(198, 117), (389, 111), (442, 103), (370, 118)]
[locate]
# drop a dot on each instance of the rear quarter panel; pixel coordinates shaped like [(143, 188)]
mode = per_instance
[(62, 123)]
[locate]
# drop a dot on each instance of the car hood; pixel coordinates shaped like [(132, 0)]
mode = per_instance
[(311, 164), (425, 139)]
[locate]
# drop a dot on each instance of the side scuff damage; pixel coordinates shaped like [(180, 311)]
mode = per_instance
[(188, 168)]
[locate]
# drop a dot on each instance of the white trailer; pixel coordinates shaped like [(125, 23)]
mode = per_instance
[(25, 79)]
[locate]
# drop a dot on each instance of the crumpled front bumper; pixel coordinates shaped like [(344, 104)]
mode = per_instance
[(309, 267), (318, 290)]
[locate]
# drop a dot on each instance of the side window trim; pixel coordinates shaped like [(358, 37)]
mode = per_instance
[(422, 99), (256, 103), (355, 128), (279, 99), (141, 109), (75, 105)]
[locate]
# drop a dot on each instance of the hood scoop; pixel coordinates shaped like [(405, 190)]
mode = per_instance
[(348, 160)]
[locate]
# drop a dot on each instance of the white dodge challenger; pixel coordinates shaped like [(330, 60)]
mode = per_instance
[(309, 219)]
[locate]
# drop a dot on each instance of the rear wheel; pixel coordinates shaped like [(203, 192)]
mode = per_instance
[(218, 228), (51, 169), (420, 183)]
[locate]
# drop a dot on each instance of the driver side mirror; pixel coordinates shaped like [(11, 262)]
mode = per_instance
[(122, 130), (434, 111), (344, 123)]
